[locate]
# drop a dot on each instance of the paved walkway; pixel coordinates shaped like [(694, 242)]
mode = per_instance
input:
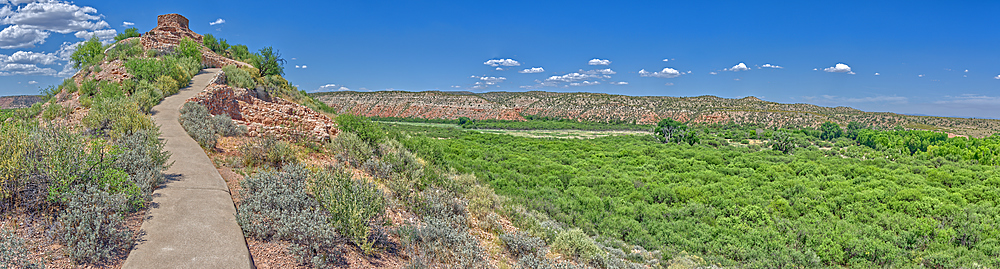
[(191, 222)]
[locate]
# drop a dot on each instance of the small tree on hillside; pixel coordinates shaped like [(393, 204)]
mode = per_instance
[(269, 62), (87, 54)]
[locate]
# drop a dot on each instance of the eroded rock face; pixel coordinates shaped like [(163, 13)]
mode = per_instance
[(279, 117), (170, 30)]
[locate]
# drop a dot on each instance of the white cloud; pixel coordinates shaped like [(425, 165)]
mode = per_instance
[(967, 70), (8, 69), (669, 84), (67, 71), (920, 76), (32, 82), (665, 73), (771, 66), (877, 74), (499, 69), (305, 66), (585, 83), (738, 67), (839, 68), (16, 36), (217, 22), (596, 61), (332, 87), (997, 77), (127, 24), (532, 70), (105, 36), (55, 16), (871, 99), (28, 57), (502, 62), (713, 73), (486, 82), (666, 60), (971, 99), (572, 77), (619, 83)]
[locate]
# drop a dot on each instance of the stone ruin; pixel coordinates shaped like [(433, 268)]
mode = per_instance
[(170, 30)]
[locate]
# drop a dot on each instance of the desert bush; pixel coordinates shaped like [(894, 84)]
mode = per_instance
[(188, 48), (128, 33), (365, 129), (69, 85), (350, 149), (116, 117), (204, 127), (575, 243), (218, 45), (14, 146), (240, 53), (521, 244), (146, 95), (269, 151), (442, 242), (13, 254), (276, 206), (354, 205), (125, 50), (88, 87), (87, 54), (238, 78), (53, 111), (141, 155), (93, 230)]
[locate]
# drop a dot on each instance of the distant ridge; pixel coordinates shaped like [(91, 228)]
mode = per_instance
[(19, 101), (636, 109)]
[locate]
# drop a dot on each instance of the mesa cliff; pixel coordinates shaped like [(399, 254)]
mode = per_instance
[(633, 109)]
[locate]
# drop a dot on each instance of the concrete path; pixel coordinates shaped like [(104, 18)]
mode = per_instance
[(191, 222)]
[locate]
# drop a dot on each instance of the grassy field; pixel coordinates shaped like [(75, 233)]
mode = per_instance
[(564, 134)]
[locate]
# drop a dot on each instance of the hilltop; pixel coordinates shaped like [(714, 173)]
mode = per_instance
[(633, 109)]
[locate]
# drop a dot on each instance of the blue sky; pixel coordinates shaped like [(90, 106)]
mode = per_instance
[(920, 49)]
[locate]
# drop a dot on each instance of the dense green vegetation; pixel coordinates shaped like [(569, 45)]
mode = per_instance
[(857, 204), (532, 123)]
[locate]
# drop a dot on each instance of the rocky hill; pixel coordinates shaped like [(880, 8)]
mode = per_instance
[(637, 109), (19, 101)]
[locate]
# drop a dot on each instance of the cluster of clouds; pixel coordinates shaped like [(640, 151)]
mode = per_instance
[(27, 24)]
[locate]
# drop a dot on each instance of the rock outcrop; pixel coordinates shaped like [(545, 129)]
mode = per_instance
[(277, 116)]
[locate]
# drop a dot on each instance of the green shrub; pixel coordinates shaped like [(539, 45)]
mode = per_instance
[(87, 54), (240, 53), (521, 244), (575, 243), (204, 127), (142, 157), (116, 117), (125, 50), (366, 130), (269, 151), (441, 243), (188, 48), (354, 205), (238, 78), (13, 254), (276, 206), (93, 230), (69, 85), (88, 87), (53, 111), (218, 45), (350, 149), (14, 146), (128, 33)]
